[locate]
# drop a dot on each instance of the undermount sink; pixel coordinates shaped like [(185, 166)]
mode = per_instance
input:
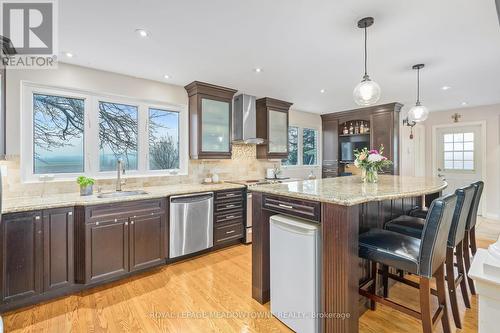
[(121, 194)]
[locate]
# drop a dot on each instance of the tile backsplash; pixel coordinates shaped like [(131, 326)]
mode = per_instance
[(242, 165)]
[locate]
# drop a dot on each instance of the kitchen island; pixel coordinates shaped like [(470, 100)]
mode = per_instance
[(344, 207)]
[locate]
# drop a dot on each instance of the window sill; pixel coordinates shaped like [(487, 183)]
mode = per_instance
[(107, 176)]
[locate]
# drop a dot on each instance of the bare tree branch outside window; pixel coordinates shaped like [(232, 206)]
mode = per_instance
[(58, 132)]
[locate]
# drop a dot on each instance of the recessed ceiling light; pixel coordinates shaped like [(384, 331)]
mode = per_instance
[(257, 70), (143, 33), (445, 87), (166, 76), (464, 103), (322, 91), (69, 54)]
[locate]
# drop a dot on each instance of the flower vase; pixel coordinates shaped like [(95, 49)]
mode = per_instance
[(369, 176)]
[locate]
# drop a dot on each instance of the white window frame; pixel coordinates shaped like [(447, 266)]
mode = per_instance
[(91, 134), (300, 148)]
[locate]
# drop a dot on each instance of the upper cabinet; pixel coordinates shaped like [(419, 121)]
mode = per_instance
[(369, 127), (210, 109), (272, 125)]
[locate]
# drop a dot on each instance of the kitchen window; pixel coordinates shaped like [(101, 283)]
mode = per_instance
[(293, 146), (58, 134), (302, 147), (118, 130), (163, 139), (66, 133)]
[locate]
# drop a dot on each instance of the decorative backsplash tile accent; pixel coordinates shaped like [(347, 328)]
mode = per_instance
[(243, 165)]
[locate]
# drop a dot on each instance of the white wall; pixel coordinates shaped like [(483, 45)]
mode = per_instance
[(82, 78), (490, 114), (309, 120)]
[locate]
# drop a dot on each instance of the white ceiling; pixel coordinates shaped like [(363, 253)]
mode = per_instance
[(302, 46)]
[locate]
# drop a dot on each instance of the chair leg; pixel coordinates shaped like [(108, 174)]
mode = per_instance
[(466, 253), (461, 270), (442, 298), (385, 280), (373, 287), (472, 237), (425, 304), (452, 291)]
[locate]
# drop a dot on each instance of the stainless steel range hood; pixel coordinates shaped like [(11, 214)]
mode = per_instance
[(245, 120)]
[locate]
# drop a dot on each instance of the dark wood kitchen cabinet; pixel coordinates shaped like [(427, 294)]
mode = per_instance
[(106, 247), (117, 239), (383, 123), (330, 150), (22, 255), (272, 126), (37, 253), (210, 120), (58, 234), (146, 241)]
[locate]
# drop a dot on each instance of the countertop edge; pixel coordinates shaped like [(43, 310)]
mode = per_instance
[(348, 203), (93, 200)]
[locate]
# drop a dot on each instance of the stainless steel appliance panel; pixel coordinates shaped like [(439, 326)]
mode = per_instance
[(191, 223)]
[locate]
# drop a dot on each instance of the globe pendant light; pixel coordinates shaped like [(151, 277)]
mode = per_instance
[(418, 113), (367, 92)]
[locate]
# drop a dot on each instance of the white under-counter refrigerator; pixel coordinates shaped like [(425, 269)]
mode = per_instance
[(295, 259)]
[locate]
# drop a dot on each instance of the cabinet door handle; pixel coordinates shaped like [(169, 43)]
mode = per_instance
[(229, 217), (285, 206), (228, 206), (230, 232)]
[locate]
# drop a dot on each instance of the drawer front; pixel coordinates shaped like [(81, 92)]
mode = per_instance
[(124, 209), (230, 217), (301, 208), (229, 195), (227, 206), (228, 233)]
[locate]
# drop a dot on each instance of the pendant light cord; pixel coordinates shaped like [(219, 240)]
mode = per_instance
[(365, 52)]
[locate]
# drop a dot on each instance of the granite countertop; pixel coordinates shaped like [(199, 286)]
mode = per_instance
[(11, 205), (349, 191)]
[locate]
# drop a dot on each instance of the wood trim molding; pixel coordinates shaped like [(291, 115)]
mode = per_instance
[(390, 107), (197, 87)]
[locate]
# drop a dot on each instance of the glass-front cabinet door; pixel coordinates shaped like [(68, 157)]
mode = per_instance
[(210, 124), (215, 126), (278, 131)]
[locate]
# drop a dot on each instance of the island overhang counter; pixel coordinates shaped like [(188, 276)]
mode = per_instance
[(344, 207)]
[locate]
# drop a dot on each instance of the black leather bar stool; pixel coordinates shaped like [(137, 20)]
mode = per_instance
[(470, 231), (413, 226), (423, 257)]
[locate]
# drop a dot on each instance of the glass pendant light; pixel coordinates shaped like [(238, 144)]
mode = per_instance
[(418, 113), (367, 92)]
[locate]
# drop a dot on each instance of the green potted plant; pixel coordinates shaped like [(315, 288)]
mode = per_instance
[(86, 185)]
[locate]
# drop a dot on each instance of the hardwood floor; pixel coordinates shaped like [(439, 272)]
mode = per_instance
[(211, 293)]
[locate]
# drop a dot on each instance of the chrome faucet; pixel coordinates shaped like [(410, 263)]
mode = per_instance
[(120, 168)]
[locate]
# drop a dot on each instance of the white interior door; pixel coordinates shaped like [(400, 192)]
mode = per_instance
[(459, 155)]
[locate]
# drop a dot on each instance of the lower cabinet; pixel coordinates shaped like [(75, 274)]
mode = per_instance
[(147, 241), (106, 249), (229, 217), (117, 239), (36, 252)]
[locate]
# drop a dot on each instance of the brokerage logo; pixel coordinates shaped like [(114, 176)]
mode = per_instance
[(29, 34)]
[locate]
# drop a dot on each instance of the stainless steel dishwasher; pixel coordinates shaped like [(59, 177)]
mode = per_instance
[(191, 223)]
